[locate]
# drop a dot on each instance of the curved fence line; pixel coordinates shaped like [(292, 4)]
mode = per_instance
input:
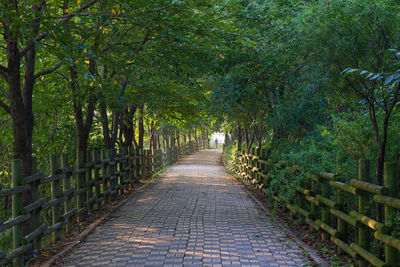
[(319, 202)]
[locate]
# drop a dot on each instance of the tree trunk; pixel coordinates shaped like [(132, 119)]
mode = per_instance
[(249, 142), (141, 127), (163, 140), (239, 138), (380, 161), (166, 139), (258, 135), (226, 137), (21, 102), (152, 136), (172, 136), (83, 126), (158, 141), (105, 125), (22, 120), (127, 126), (156, 147), (114, 133)]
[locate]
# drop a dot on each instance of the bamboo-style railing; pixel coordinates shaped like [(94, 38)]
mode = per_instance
[(319, 202), (76, 192)]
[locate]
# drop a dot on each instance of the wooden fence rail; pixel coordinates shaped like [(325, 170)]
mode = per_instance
[(76, 192), (319, 202)]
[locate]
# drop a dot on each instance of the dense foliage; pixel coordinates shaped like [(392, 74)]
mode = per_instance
[(94, 71), (90, 74), (310, 81), (313, 81)]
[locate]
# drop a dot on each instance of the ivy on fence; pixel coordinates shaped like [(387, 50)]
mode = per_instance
[(319, 202)]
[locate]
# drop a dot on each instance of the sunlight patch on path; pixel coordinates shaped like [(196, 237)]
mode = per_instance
[(196, 215)]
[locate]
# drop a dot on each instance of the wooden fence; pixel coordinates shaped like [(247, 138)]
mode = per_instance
[(319, 202), (76, 192)]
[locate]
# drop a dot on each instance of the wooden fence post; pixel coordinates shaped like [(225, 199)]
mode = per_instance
[(144, 163), (137, 164), (97, 180), (148, 162), (105, 172), (239, 163), (67, 188), (89, 181), (122, 165), (153, 161), (263, 167), (258, 166), (390, 181), (314, 190), (243, 162), (301, 205), (325, 214), (126, 170), (341, 224), (80, 186), (131, 163), (113, 178), (252, 173), (141, 163), (17, 210), (157, 161), (55, 194), (149, 166), (363, 175), (37, 241)]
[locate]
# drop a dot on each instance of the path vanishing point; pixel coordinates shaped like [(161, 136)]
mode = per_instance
[(196, 215)]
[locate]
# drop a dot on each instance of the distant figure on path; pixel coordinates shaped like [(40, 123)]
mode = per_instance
[(216, 142)]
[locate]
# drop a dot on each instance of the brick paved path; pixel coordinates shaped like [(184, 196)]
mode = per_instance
[(196, 216)]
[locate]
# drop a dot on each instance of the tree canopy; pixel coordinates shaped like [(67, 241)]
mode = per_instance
[(308, 81)]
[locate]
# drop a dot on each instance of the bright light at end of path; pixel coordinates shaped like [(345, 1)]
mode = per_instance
[(219, 136)]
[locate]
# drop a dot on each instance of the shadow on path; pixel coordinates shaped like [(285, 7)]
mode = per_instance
[(197, 215)]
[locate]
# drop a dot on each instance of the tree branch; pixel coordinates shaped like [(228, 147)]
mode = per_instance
[(62, 22), (4, 91), (48, 71), (5, 107), (396, 96), (358, 91), (141, 42)]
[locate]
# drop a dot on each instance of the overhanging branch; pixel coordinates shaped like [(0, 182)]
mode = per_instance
[(5, 107), (4, 91), (62, 22), (45, 72)]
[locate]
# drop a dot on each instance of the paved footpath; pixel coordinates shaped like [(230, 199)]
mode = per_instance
[(197, 215)]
